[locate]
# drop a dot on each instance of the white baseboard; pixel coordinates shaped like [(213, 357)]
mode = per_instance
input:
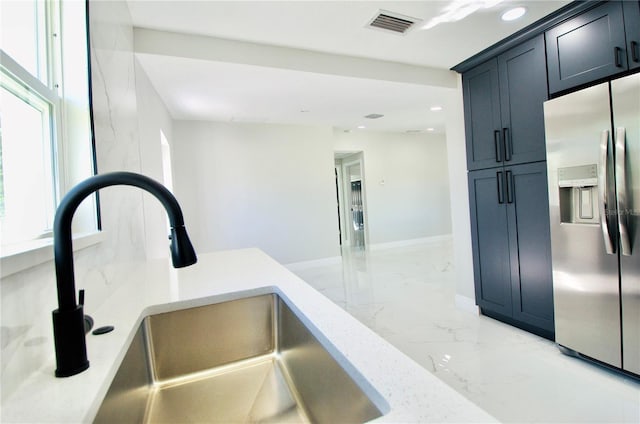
[(297, 266), (411, 242), (466, 304)]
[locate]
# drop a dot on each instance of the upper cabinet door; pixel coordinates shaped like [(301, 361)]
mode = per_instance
[(503, 107), (482, 116), (523, 90), (632, 29), (586, 48)]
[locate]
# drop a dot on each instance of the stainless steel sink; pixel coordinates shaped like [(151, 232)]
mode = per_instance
[(246, 360)]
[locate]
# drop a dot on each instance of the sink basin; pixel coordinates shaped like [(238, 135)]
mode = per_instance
[(251, 359)]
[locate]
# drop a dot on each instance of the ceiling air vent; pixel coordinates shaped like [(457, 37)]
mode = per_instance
[(394, 22)]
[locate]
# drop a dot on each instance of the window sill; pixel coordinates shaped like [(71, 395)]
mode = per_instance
[(16, 258)]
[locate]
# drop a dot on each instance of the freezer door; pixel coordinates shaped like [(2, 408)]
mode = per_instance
[(626, 123), (583, 228)]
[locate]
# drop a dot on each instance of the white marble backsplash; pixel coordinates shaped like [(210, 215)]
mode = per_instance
[(29, 297), (116, 126)]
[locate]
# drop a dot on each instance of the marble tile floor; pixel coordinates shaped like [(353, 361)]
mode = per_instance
[(407, 296)]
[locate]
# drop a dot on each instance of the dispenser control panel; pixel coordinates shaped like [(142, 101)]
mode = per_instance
[(578, 176), (578, 187)]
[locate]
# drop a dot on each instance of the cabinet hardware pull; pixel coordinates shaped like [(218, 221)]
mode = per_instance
[(496, 142), (509, 186), (507, 144), (634, 51), (499, 184), (616, 54)]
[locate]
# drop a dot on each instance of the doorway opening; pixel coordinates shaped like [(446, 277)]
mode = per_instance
[(349, 171)]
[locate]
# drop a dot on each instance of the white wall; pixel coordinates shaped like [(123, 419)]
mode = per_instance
[(152, 118), (254, 185), (406, 183), (461, 224)]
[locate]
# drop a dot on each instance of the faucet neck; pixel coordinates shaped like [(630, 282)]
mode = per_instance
[(62, 243)]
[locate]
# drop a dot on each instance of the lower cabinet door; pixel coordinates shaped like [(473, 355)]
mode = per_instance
[(490, 239), (530, 245), (512, 245)]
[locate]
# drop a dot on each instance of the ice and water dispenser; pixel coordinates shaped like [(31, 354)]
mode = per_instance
[(578, 187)]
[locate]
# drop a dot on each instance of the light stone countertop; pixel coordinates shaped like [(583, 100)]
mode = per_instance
[(411, 393)]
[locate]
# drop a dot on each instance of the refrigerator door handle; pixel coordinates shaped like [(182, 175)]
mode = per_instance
[(604, 192), (621, 190)]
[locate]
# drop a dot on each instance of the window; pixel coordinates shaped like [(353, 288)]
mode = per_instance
[(45, 135), (28, 186)]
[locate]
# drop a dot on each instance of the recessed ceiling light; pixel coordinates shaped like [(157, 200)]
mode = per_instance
[(361, 127), (436, 108), (513, 14), (430, 129)]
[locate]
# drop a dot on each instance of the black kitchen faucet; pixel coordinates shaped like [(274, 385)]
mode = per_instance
[(68, 319)]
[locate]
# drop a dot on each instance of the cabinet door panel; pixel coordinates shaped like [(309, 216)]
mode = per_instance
[(632, 29), (523, 90), (530, 245), (482, 115), (490, 240), (583, 49)]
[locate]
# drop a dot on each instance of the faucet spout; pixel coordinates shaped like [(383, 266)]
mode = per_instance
[(68, 319)]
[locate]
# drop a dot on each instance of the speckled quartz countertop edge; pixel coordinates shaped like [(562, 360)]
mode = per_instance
[(410, 392)]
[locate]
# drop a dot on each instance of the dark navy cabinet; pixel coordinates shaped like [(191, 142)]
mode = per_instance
[(503, 97), (591, 46), (482, 115), (504, 127), (631, 10), (490, 239), (511, 245)]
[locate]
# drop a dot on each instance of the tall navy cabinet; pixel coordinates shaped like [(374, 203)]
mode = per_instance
[(504, 127)]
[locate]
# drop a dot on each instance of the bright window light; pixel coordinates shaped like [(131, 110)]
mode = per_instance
[(457, 10), (513, 14), (23, 34), (27, 198), (167, 175)]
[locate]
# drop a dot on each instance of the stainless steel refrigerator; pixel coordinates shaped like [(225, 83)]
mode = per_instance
[(593, 164)]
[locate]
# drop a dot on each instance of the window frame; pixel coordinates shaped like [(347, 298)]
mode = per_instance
[(18, 256)]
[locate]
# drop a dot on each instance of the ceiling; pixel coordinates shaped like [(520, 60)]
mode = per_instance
[(312, 62)]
